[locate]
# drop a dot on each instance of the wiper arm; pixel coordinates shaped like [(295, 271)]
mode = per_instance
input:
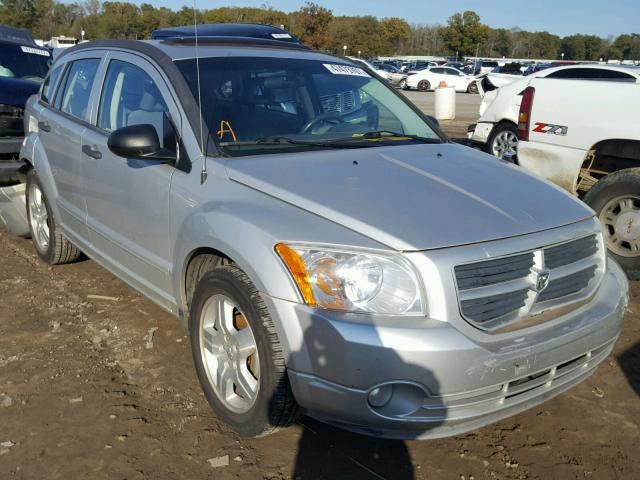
[(279, 141), (378, 134)]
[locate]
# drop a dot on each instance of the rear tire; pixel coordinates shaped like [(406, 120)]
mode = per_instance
[(503, 140), (616, 201), (51, 246), (424, 85), (255, 397)]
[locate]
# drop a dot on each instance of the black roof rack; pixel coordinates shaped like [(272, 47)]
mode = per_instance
[(248, 30), (236, 41)]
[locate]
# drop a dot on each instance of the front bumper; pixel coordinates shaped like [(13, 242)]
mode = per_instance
[(444, 383)]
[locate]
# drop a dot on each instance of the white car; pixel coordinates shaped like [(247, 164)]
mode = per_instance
[(430, 78), (496, 130)]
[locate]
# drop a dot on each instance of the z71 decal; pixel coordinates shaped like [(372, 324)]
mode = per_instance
[(549, 128)]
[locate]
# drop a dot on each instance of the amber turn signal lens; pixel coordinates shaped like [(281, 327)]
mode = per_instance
[(298, 270)]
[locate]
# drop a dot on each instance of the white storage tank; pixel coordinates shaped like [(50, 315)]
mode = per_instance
[(445, 102)]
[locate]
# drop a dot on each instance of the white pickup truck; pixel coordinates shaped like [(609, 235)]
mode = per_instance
[(585, 137)]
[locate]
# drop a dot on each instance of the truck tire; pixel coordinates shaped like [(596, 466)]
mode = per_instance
[(237, 354), (424, 85), (616, 201), (51, 246), (503, 140)]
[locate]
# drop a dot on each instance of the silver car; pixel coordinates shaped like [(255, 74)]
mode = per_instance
[(328, 249)]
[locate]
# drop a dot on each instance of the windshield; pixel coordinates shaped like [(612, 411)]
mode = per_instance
[(253, 105), (24, 63)]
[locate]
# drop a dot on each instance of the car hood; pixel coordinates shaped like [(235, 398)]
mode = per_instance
[(413, 197), (15, 92)]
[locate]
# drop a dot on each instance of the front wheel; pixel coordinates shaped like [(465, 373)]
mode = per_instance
[(51, 246), (403, 84), (424, 85), (237, 354), (472, 88), (616, 201)]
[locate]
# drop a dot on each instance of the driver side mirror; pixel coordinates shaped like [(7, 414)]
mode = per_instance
[(139, 142)]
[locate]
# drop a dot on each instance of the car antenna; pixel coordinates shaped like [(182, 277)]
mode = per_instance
[(203, 172)]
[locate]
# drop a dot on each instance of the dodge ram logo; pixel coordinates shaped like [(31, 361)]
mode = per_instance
[(542, 281), (551, 129)]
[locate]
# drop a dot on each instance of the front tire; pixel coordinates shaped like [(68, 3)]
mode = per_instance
[(51, 246), (238, 356), (424, 85), (472, 88), (616, 201), (403, 84)]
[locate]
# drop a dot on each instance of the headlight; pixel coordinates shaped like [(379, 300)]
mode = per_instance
[(353, 281)]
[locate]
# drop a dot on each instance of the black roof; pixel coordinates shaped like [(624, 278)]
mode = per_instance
[(247, 30), (16, 35)]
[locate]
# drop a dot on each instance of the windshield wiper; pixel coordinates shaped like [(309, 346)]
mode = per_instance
[(278, 141), (381, 134)]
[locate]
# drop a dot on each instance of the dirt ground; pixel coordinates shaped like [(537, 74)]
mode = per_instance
[(98, 382)]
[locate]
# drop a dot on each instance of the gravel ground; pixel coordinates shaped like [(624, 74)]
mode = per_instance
[(98, 382)]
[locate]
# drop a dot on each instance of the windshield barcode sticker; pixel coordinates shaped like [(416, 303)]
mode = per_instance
[(280, 35), (36, 51), (346, 70)]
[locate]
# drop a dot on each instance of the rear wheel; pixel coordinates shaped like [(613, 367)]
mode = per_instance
[(424, 85), (237, 354), (616, 201), (503, 141), (51, 246)]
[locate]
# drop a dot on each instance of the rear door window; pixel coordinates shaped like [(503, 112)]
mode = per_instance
[(79, 79), (586, 73)]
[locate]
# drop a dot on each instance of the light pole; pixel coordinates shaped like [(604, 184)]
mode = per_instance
[(344, 50), (359, 53), (562, 55)]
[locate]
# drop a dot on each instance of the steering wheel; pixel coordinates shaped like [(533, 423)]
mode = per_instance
[(325, 117)]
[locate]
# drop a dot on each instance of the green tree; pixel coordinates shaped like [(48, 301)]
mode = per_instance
[(464, 33), (311, 25), (395, 32)]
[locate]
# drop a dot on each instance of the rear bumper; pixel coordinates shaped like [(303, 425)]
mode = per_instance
[(443, 383)]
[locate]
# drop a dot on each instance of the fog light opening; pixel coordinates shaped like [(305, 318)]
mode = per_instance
[(380, 396)]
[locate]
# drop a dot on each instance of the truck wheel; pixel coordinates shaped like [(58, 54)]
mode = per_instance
[(503, 141), (424, 85), (237, 354), (616, 201), (51, 246)]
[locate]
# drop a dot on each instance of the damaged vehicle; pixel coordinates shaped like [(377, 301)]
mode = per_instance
[(594, 157), (23, 66), (329, 250), (496, 131)]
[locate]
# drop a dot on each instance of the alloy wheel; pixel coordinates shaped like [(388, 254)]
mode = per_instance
[(230, 354), (505, 143), (39, 218), (620, 219)]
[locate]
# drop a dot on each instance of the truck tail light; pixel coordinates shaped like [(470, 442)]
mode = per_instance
[(524, 117)]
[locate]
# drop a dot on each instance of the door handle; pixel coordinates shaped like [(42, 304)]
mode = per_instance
[(91, 151), (44, 126)]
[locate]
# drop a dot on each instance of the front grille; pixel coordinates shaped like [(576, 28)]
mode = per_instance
[(500, 291), (11, 121), (338, 103)]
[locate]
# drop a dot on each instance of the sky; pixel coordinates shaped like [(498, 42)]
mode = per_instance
[(562, 17)]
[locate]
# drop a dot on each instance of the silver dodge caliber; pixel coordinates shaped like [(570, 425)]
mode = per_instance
[(330, 251)]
